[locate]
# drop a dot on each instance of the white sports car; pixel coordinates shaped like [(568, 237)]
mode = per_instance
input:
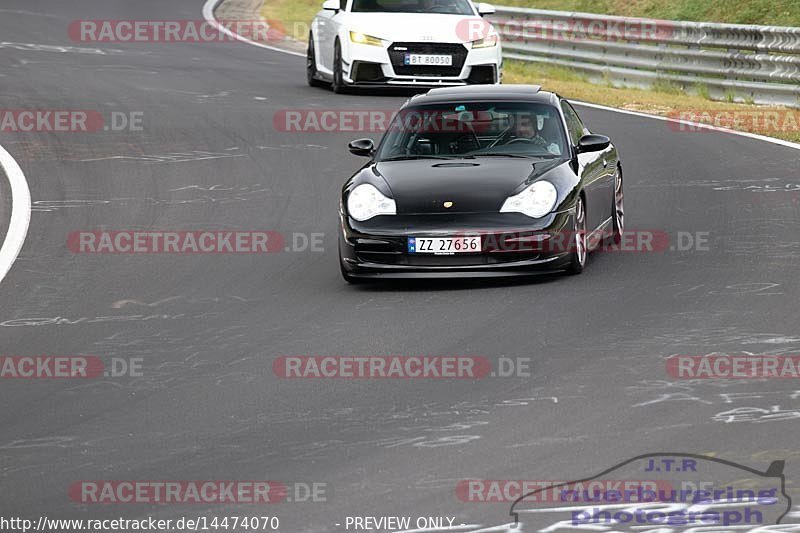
[(403, 42)]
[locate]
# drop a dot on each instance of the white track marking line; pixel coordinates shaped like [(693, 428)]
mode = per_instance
[(208, 14), (773, 140), (20, 212)]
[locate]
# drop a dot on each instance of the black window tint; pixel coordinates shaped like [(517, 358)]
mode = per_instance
[(476, 129), (574, 124)]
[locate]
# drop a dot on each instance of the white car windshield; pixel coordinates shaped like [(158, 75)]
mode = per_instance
[(447, 7)]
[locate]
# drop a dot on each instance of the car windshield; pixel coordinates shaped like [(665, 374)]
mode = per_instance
[(447, 7), (471, 130)]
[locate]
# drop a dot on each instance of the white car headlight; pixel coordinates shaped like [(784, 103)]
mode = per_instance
[(486, 42), (535, 201), (366, 201), (362, 38)]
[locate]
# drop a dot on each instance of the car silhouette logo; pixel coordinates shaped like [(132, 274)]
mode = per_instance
[(729, 493)]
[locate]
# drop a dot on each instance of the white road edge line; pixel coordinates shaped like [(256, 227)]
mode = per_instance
[(764, 138), (20, 212), (211, 5), (208, 14)]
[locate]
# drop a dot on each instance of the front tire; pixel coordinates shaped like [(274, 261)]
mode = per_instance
[(619, 208), (580, 246), (338, 85), (311, 64)]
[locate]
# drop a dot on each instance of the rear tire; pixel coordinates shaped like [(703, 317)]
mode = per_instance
[(580, 250)]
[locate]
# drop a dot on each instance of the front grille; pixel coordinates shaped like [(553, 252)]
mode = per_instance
[(445, 260), (455, 260), (458, 51), (496, 251)]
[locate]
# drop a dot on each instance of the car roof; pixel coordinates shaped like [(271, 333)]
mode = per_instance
[(527, 93)]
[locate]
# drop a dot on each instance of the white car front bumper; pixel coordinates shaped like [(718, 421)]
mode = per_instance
[(376, 65)]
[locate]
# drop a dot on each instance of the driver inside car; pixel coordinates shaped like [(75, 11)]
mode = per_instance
[(525, 128)]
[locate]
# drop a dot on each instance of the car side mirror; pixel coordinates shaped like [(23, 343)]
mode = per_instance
[(331, 5), (486, 9), (593, 143), (362, 147)]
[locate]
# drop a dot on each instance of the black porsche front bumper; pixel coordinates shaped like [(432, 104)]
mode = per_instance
[(511, 245)]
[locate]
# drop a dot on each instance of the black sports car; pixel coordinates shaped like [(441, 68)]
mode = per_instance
[(480, 181)]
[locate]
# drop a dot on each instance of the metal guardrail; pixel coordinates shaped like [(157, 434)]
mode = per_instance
[(759, 64)]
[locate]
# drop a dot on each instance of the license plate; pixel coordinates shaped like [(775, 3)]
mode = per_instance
[(444, 245), (429, 59)]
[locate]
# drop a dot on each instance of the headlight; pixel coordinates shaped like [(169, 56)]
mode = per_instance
[(366, 201), (486, 42), (361, 38), (535, 201)]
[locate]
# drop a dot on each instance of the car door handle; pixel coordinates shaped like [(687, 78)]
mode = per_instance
[(605, 163)]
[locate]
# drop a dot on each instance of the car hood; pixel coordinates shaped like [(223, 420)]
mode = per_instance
[(412, 27), (472, 185)]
